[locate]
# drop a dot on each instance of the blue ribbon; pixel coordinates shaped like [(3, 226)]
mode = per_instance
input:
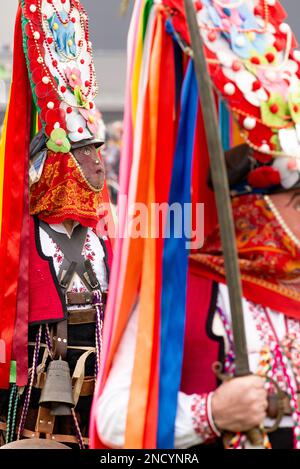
[(175, 267), (224, 124)]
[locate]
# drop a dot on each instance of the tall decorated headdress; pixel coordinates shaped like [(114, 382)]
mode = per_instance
[(61, 70), (52, 98), (254, 69)]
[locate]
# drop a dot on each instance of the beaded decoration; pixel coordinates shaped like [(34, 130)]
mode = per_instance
[(99, 305), (254, 67), (62, 72)]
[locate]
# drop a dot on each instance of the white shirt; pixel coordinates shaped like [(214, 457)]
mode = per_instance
[(112, 406), (92, 250)]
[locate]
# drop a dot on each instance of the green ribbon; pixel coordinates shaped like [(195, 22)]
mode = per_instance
[(13, 372)]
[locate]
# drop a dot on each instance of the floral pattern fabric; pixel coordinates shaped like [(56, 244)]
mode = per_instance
[(63, 193), (269, 260)]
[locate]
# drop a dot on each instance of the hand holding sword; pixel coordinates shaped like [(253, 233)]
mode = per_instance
[(240, 404), (257, 397)]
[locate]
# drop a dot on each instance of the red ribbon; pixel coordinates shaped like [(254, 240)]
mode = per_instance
[(20, 340), (17, 147)]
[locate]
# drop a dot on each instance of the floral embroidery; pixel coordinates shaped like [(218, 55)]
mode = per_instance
[(58, 255), (88, 252), (200, 417), (290, 343)]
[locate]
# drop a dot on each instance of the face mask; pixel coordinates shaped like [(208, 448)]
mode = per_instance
[(91, 165)]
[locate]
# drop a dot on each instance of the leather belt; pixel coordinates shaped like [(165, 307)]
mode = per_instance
[(83, 298), (68, 439), (81, 316)]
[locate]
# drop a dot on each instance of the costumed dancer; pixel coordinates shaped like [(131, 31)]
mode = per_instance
[(165, 359), (54, 257)]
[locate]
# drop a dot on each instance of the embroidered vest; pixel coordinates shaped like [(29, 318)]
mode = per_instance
[(46, 302)]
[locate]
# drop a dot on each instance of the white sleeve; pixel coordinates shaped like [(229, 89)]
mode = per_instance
[(113, 403)]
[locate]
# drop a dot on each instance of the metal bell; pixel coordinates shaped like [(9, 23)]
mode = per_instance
[(57, 392)]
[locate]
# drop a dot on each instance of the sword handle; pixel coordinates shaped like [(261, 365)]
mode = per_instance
[(256, 437), (275, 409)]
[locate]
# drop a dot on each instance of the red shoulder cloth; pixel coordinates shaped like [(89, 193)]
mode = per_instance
[(46, 302)]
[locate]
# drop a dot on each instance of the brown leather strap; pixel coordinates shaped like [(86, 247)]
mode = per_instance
[(68, 439), (3, 426), (84, 298), (88, 387), (81, 316), (61, 340), (45, 421)]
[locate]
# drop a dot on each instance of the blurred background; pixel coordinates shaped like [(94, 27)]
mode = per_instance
[(109, 36)]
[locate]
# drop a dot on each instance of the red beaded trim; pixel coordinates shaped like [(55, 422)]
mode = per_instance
[(85, 26), (58, 14)]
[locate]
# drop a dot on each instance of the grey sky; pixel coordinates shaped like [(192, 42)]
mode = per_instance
[(108, 29)]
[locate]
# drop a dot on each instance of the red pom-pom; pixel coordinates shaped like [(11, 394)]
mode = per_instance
[(198, 5), (256, 85), (255, 60), (270, 57), (264, 177), (274, 108)]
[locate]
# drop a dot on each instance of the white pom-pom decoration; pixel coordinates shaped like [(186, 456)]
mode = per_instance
[(264, 148), (284, 28), (229, 89), (296, 55), (249, 123)]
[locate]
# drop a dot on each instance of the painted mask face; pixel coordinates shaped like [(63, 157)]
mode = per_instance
[(91, 165), (288, 205)]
